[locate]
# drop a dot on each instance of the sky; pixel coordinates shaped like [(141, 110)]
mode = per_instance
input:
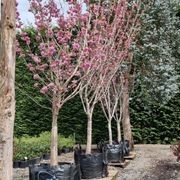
[(26, 17)]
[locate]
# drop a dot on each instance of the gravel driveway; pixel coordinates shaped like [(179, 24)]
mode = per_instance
[(153, 162)]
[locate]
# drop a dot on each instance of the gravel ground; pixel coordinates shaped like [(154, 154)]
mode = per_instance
[(153, 162)]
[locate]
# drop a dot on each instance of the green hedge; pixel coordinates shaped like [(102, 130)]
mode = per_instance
[(32, 147), (152, 122)]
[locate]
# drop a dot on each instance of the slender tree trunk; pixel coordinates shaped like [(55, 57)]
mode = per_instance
[(126, 118), (89, 134), (110, 132), (118, 131), (7, 89), (54, 135)]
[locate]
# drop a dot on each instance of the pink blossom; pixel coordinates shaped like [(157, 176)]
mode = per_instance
[(51, 85), (30, 66), (44, 90), (36, 77), (38, 38), (86, 65), (36, 59), (51, 51), (76, 46)]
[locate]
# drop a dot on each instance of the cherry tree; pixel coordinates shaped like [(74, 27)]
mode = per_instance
[(111, 103), (58, 60), (115, 30)]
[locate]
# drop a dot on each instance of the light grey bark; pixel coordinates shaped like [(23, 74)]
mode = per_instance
[(7, 90), (118, 131), (89, 134), (54, 130)]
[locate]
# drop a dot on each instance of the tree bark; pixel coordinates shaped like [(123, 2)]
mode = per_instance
[(7, 89), (118, 131), (126, 118), (54, 134), (89, 134), (110, 132)]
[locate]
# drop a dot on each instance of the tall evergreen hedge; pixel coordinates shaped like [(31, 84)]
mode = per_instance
[(153, 121)]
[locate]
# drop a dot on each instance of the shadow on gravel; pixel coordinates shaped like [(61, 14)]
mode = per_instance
[(164, 170)]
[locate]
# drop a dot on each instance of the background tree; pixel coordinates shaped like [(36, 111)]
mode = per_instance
[(158, 51), (156, 66), (7, 86)]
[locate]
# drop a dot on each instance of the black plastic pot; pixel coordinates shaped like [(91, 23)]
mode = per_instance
[(91, 165), (65, 150), (115, 152), (59, 152), (34, 161), (46, 156), (64, 171), (27, 163), (16, 164), (23, 164), (126, 147)]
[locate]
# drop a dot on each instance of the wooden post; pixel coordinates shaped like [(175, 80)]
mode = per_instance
[(7, 89)]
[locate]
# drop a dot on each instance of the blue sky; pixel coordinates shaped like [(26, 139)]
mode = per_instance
[(27, 17)]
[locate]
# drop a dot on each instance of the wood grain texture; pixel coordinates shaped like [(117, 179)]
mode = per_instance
[(7, 90)]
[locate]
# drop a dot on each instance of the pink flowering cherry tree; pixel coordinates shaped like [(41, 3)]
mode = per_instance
[(111, 104), (62, 58), (113, 33)]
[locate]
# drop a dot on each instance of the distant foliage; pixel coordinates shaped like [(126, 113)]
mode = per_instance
[(155, 113), (152, 122), (158, 50), (28, 147)]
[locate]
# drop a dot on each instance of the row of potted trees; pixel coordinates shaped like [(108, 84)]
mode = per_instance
[(85, 52)]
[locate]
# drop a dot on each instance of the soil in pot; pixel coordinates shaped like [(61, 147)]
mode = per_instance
[(92, 165), (64, 171)]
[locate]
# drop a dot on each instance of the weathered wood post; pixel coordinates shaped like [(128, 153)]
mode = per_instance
[(7, 89)]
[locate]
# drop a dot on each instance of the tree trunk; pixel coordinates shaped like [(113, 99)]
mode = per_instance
[(89, 134), (54, 135), (126, 118), (118, 131), (110, 132), (7, 89)]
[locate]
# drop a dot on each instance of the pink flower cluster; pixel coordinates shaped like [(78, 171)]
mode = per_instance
[(70, 47)]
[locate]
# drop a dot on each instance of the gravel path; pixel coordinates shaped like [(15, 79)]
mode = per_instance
[(153, 162)]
